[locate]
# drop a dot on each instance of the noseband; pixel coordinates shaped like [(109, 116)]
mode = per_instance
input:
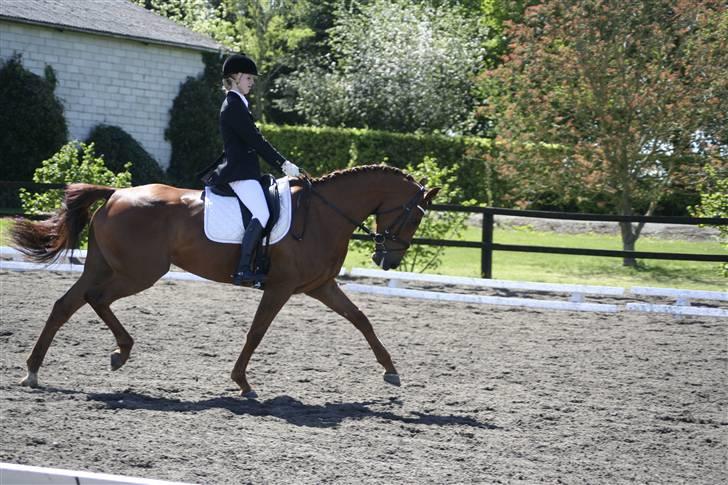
[(392, 232)]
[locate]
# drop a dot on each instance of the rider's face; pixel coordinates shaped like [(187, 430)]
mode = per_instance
[(245, 82)]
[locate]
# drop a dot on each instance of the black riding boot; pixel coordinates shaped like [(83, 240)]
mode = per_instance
[(244, 274)]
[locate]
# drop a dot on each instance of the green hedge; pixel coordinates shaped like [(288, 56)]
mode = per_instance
[(322, 150), (119, 147)]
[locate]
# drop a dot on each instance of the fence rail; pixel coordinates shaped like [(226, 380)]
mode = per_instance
[(487, 246)]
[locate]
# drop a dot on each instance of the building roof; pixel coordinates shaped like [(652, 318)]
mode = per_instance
[(117, 18)]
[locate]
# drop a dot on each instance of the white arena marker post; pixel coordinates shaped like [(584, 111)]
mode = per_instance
[(34, 475), (482, 299), (678, 310)]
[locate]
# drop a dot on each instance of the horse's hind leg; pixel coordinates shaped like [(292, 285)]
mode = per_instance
[(331, 295), (102, 295), (62, 311), (123, 271), (100, 298), (99, 286)]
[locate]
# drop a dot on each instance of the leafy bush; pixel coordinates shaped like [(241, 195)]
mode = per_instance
[(322, 150), (117, 147), (714, 202), (32, 126), (436, 225), (193, 126), (74, 162)]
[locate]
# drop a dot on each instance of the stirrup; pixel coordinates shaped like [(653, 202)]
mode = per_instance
[(247, 278)]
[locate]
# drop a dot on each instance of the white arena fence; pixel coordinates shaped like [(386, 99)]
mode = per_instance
[(11, 474), (11, 259)]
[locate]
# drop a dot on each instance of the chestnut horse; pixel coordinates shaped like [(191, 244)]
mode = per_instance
[(140, 231)]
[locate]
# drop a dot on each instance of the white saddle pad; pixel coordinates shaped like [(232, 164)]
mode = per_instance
[(224, 223)]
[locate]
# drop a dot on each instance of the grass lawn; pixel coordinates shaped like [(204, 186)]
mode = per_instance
[(561, 268), (589, 270), (5, 223)]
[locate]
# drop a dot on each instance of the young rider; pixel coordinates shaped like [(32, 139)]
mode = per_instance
[(240, 167)]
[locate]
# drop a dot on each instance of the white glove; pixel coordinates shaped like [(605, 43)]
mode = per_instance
[(290, 169)]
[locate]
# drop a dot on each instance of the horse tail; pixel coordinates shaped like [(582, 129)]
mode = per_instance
[(44, 241)]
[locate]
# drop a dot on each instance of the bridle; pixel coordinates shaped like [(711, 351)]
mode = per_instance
[(391, 233)]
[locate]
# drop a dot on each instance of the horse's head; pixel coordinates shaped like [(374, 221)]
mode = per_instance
[(396, 224)]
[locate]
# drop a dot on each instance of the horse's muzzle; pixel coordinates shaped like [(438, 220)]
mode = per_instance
[(382, 260)]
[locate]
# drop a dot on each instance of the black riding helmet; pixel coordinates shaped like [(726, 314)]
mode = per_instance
[(239, 63)]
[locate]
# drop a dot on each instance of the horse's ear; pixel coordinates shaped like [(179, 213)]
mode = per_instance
[(423, 181), (430, 195)]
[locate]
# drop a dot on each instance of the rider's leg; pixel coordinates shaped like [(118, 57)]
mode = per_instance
[(251, 194)]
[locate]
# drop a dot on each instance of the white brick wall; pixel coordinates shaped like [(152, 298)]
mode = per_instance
[(107, 80)]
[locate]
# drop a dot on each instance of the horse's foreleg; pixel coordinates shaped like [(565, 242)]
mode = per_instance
[(331, 295), (268, 308), (62, 311)]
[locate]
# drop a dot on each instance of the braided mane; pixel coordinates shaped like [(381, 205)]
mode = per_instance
[(360, 170)]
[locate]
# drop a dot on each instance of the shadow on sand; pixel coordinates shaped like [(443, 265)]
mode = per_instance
[(284, 407)]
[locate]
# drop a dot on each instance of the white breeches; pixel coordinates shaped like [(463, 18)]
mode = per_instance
[(251, 193)]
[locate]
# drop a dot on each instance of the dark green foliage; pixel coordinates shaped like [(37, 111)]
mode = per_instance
[(118, 147), (322, 150), (32, 126), (714, 200), (193, 126), (677, 202)]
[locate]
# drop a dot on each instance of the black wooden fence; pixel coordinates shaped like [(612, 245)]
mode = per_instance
[(486, 245), (9, 200)]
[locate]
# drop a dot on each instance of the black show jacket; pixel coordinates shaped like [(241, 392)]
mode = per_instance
[(243, 143)]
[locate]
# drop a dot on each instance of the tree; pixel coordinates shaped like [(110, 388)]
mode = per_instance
[(32, 124), (209, 17), (266, 30), (395, 65), (600, 98), (269, 35), (495, 15), (193, 129)]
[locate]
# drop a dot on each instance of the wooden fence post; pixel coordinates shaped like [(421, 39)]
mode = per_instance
[(486, 253)]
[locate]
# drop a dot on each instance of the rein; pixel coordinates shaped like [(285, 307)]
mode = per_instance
[(388, 234)]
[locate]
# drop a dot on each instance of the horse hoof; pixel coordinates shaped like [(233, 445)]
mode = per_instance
[(31, 380), (392, 379), (249, 394), (117, 360)]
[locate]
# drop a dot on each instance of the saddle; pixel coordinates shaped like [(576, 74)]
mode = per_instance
[(272, 200), (226, 216)]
